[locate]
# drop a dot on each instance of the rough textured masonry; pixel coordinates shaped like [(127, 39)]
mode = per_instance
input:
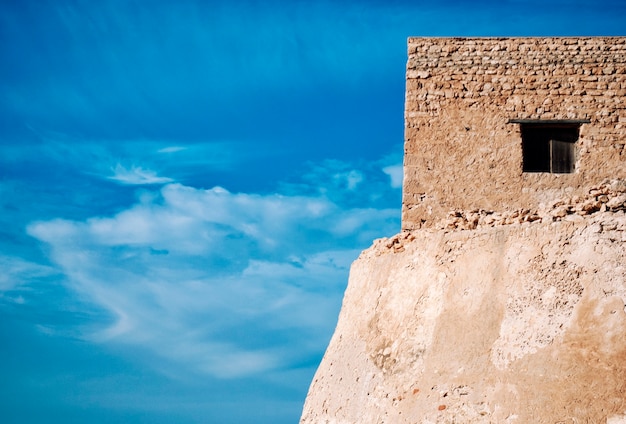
[(503, 298), (465, 99), (517, 323)]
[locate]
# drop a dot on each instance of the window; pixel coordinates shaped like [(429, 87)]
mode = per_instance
[(549, 146)]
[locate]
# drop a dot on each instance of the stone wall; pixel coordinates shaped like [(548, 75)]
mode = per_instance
[(462, 152)]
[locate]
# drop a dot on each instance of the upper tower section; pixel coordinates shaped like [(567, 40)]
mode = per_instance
[(510, 123)]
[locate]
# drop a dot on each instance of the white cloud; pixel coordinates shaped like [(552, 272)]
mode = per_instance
[(16, 272), (348, 184), (171, 149), (230, 284), (396, 174), (350, 179), (136, 175)]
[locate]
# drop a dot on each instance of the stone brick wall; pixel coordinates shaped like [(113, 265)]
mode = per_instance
[(461, 150)]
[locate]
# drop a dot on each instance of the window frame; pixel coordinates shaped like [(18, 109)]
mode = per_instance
[(549, 146)]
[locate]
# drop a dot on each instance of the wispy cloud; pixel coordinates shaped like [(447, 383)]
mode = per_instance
[(16, 272), (396, 174), (136, 175), (230, 284), (171, 149), (351, 184), (125, 161)]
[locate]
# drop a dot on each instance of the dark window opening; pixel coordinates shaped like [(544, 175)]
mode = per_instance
[(549, 147)]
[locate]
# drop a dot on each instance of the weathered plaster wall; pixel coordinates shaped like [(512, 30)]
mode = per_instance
[(460, 152), (515, 320)]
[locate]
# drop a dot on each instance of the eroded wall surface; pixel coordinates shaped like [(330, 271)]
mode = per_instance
[(509, 320), (461, 152)]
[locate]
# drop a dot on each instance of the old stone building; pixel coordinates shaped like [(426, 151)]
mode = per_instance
[(500, 124), (503, 300)]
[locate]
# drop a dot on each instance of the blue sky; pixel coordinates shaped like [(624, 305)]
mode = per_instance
[(184, 184)]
